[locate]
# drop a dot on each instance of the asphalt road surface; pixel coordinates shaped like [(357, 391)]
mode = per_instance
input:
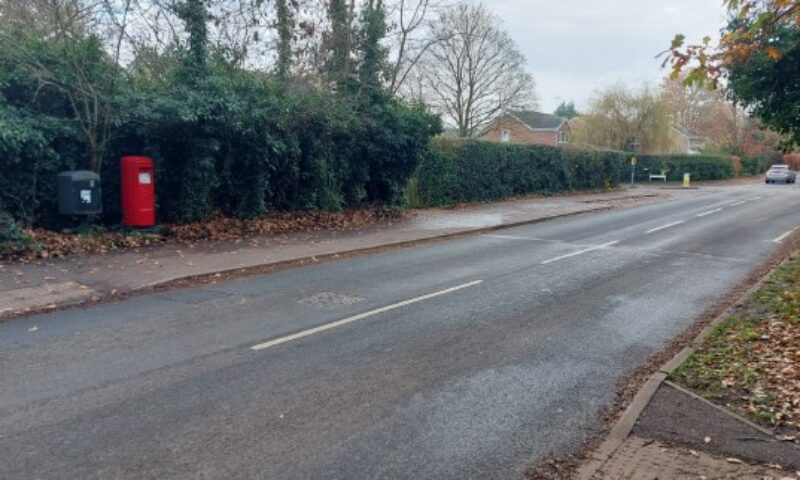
[(470, 358)]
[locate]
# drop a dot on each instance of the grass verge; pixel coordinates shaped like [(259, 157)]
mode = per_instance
[(750, 362)]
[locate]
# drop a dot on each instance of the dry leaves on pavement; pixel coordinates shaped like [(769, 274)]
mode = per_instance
[(49, 244), (751, 362)]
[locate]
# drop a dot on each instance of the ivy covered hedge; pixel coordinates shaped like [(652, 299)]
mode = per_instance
[(701, 167), (458, 171), (222, 139)]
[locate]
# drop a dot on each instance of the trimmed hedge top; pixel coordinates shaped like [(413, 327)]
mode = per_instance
[(458, 170), (701, 167)]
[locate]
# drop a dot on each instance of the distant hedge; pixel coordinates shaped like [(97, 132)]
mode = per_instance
[(471, 171), (756, 165), (701, 167)]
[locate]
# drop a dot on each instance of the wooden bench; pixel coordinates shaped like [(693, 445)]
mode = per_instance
[(659, 176)]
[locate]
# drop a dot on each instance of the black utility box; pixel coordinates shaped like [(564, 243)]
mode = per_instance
[(79, 193)]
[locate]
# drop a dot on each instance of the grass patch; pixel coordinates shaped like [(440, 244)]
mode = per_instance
[(750, 362)]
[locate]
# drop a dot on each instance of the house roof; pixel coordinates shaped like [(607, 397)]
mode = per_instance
[(538, 120), (686, 132)]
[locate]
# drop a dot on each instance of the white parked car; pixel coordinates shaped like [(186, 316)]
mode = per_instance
[(780, 173)]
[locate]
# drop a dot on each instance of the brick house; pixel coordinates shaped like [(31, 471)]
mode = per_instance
[(527, 127)]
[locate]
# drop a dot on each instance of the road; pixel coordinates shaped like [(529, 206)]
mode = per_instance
[(469, 358)]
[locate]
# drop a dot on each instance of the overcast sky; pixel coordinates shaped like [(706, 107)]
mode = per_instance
[(574, 47)]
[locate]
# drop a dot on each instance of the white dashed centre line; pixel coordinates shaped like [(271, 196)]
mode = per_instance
[(663, 227), (360, 316), (710, 212), (736, 204), (783, 237), (580, 252)]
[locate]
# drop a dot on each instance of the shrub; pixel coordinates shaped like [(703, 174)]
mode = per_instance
[(791, 159), (736, 161), (457, 171), (701, 167), (29, 164), (226, 140), (755, 165), (13, 238), (241, 145)]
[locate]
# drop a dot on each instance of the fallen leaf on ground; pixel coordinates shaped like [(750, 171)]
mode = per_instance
[(46, 244), (751, 362)]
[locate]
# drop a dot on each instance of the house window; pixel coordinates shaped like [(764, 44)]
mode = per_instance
[(562, 137), (505, 136)]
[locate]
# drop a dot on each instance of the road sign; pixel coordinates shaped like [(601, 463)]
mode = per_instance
[(633, 161)]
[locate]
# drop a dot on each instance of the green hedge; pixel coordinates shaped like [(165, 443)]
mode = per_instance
[(228, 140), (29, 162), (471, 171), (701, 167), (756, 165)]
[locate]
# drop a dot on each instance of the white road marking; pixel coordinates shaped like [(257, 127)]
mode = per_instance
[(783, 237), (736, 204), (662, 227), (360, 316), (756, 198), (580, 252), (710, 212)]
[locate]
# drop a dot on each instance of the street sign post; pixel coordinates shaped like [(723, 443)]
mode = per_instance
[(634, 149)]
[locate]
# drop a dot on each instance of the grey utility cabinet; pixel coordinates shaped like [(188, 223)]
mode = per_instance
[(79, 193)]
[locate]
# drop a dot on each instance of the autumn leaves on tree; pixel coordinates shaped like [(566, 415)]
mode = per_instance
[(757, 56)]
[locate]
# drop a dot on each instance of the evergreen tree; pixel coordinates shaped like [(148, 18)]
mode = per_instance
[(566, 110), (372, 55), (338, 66), (285, 26), (193, 14)]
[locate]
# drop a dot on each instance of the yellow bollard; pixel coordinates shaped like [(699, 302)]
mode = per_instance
[(687, 180)]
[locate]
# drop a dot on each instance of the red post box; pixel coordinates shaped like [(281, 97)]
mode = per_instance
[(138, 191)]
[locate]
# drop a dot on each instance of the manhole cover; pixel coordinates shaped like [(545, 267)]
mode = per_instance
[(330, 299)]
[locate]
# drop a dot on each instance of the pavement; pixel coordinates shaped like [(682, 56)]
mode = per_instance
[(645, 459), (474, 357), (49, 284), (680, 435)]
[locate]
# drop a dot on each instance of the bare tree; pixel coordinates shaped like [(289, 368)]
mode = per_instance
[(72, 65), (619, 116), (474, 71), (50, 19), (690, 105), (409, 37)]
